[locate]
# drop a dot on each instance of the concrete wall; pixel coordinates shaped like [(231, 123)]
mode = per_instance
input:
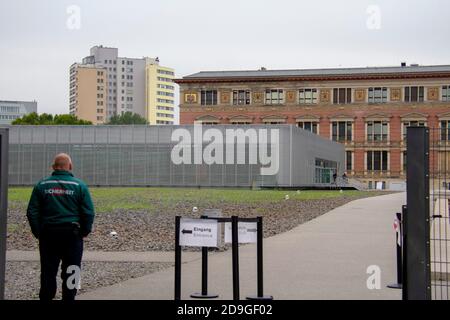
[(138, 87)]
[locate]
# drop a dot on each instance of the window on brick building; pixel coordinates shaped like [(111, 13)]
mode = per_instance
[(307, 96), (377, 185), (309, 126), (377, 131), (443, 161), (209, 97), (377, 95), (274, 122), (274, 96), (377, 160), (342, 95), (445, 130), (380, 185), (235, 122), (349, 160), (241, 97), (341, 131), (414, 94), (445, 93), (414, 123)]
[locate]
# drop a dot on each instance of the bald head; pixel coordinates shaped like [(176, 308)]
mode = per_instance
[(62, 161)]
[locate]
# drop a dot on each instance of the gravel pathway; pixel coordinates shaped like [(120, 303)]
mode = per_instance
[(22, 277)]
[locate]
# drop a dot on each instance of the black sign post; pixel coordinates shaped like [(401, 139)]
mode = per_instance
[(235, 255), (4, 144), (235, 259), (259, 256), (177, 259), (404, 255), (204, 293)]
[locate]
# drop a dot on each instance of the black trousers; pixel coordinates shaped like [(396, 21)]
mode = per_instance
[(60, 244)]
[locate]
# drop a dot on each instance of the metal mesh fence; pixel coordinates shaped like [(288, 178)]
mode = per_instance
[(141, 156), (439, 210)]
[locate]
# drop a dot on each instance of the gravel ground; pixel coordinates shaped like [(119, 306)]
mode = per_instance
[(153, 230), (146, 230), (22, 277)]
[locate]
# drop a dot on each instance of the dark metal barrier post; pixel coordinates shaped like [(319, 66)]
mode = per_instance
[(204, 294), (404, 253), (4, 144), (260, 261), (177, 259), (398, 236), (235, 256), (417, 229)]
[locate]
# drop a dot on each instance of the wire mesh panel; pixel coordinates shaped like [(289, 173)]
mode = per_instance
[(439, 212)]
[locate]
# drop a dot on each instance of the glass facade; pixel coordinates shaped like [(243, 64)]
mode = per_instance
[(325, 170)]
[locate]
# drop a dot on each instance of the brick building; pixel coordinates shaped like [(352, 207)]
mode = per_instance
[(367, 109)]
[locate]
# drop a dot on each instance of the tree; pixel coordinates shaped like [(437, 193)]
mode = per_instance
[(48, 119), (69, 119), (127, 118), (31, 118)]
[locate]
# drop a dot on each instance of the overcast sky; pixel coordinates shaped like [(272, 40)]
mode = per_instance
[(37, 46)]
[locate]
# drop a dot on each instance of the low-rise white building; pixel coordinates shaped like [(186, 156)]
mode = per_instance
[(11, 110)]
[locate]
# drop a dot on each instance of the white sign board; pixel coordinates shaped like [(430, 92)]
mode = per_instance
[(247, 232), (212, 212), (198, 233), (379, 185)]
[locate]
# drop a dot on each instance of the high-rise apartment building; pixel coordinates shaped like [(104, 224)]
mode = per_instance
[(160, 95), (11, 110), (105, 84), (88, 87)]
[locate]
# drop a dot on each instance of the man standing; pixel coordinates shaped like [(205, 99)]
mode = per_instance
[(60, 213)]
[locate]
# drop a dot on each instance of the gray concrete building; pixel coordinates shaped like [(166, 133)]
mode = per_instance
[(11, 110), (166, 155)]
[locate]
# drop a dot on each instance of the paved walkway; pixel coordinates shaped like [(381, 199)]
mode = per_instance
[(326, 258), (109, 256)]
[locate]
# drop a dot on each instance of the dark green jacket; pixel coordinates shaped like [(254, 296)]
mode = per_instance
[(60, 199)]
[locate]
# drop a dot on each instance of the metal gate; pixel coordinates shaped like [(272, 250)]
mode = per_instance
[(427, 221), (4, 143)]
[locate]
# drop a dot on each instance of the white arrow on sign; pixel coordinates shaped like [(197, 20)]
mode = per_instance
[(198, 233), (247, 232)]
